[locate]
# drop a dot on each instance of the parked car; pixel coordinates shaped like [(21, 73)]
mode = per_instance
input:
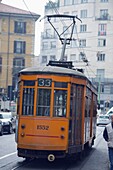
[(103, 119), (110, 112), (1, 128), (8, 122)]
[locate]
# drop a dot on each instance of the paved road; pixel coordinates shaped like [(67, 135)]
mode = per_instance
[(96, 160)]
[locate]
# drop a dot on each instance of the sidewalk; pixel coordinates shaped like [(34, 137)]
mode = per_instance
[(98, 160)]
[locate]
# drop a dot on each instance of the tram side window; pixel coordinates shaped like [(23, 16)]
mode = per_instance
[(60, 100), (28, 101), (43, 102)]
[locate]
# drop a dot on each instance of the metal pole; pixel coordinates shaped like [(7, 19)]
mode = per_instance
[(99, 90), (63, 50)]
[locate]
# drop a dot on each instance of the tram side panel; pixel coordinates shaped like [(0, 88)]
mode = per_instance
[(82, 118)]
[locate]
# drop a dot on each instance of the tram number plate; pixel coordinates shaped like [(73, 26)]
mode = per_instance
[(42, 127)]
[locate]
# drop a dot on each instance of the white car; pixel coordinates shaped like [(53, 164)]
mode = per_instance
[(109, 113), (103, 119), (8, 122), (1, 128)]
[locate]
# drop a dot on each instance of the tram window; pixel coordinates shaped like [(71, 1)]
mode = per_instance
[(60, 100), (29, 83), (43, 102), (60, 84), (28, 101)]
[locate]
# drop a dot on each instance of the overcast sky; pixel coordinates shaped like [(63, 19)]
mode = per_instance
[(36, 6)]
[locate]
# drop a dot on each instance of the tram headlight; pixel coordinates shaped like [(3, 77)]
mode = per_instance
[(22, 134)]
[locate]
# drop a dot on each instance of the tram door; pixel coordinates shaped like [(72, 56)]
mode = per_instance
[(75, 114)]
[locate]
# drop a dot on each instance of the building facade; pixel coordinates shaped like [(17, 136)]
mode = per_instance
[(17, 38), (91, 48)]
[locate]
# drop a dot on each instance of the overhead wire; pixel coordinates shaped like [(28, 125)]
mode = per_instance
[(28, 9)]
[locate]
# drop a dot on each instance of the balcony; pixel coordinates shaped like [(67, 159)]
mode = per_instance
[(48, 36), (103, 17), (102, 80), (101, 33), (51, 5)]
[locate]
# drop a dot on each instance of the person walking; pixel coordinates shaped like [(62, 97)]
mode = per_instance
[(108, 136)]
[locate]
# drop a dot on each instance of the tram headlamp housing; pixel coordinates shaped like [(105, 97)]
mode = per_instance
[(62, 128), (22, 134)]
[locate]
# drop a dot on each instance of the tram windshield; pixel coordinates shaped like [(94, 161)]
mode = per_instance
[(43, 102), (60, 98), (47, 99)]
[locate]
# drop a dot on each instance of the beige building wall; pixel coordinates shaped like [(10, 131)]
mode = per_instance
[(7, 38)]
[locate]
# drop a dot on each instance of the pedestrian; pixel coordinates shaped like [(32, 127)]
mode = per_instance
[(108, 136)]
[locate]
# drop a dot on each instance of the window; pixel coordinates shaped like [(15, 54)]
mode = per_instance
[(28, 101), (19, 47), (20, 27), (100, 73), (45, 45), (73, 43), (18, 64), (53, 44), (74, 13), (66, 13), (73, 57), (74, 1), (82, 56), (83, 28), (103, 0), (82, 43), (101, 42), (48, 33), (44, 59), (52, 57), (43, 102), (102, 29), (60, 100), (83, 13), (84, 1), (104, 14), (101, 57), (67, 2), (111, 89), (60, 84)]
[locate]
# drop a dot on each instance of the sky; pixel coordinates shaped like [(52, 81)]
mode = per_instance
[(36, 6)]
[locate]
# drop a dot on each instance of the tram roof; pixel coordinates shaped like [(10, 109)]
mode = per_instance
[(52, 70)]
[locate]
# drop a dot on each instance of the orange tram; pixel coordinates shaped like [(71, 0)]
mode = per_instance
[(56, 112)]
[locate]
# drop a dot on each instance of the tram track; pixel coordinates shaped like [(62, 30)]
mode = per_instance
[(23, 164)]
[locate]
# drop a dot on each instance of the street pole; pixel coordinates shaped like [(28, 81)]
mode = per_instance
[(99, 90)]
